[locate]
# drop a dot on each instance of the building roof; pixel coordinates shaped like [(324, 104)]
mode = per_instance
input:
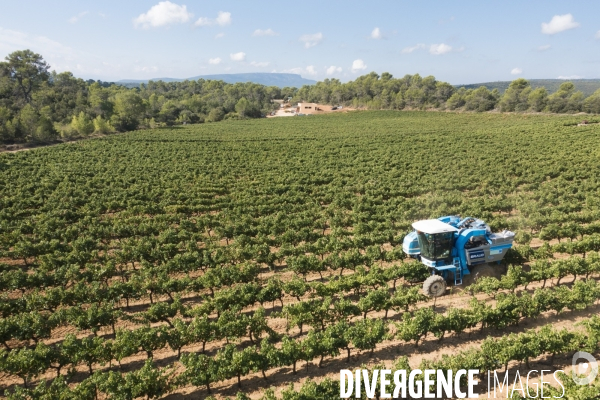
[(433, 226)]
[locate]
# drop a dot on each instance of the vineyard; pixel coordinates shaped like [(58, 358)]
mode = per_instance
[(257, 258)]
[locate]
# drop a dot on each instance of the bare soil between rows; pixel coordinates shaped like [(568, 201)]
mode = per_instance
[(385, 353)]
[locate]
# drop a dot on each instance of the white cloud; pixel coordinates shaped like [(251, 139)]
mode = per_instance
[(259, 64), (376, 34), (219, 35), (63, 58), (544, 47), (215, 61), (438, 49), (241, 56), (358, 65), (59, 56), (597, 35), (333, 69), (145, 69), (559, 23), (444, 21), (569, 77), (408, 50), (223, 19), (311, 40), (162, 14), (106, 64), (77, 17), (203, 21), (13, 39), (310, 70), (516, 71), (265, 32)]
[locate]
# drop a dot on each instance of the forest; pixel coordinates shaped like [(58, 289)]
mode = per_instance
[(37, 105)]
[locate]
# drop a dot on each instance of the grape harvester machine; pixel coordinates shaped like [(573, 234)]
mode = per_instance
[(452, 248)]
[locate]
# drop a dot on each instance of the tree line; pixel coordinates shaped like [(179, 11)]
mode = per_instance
[(373, 91), (37, 105)]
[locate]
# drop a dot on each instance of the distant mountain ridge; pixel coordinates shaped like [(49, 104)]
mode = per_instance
[(263, 78), (587, 86)]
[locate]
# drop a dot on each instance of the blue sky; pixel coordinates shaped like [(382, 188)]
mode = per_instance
[(456, 41)]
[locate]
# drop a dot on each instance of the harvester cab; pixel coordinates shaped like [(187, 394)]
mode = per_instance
[(452, 248)]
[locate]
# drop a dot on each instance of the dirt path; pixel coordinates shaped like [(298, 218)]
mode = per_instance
[(386, 352), (15, 148)]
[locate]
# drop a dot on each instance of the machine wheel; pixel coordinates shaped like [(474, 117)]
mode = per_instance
[(434, 286)]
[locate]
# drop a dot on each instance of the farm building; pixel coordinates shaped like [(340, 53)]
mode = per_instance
[(307, 108)]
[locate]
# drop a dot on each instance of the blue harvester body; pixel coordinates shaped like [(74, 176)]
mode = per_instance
[(452, 247)]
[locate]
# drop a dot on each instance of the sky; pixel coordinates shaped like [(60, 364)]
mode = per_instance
[(456, 41)]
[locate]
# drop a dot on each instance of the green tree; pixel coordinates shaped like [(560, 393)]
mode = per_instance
[(82, 124), (26, 71), (129, 107), (168, 113), (99, 99), (592, 103), (457, 100), (516, 96), (8, 130), (242, 107), (28, 121), (566, 99), (443, 91), (481, 99), (537, 100), (215, 115), (102, 126)]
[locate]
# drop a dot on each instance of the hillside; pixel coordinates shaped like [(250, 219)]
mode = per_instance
[(587, 86), (264, 78)]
